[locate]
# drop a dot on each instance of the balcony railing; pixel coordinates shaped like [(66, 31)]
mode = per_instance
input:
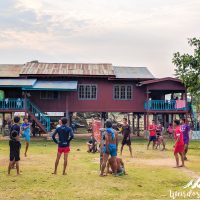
[(166, 105), (12, 104)]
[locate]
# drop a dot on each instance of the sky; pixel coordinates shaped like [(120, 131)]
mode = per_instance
[(138, 33)]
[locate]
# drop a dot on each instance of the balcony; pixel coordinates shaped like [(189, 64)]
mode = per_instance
[(12, 104), (166, 105)]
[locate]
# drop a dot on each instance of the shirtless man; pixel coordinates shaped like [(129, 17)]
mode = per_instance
[(120, 167), (110, 148)]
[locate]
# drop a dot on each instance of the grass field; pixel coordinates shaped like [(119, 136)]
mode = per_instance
[(150, 174)]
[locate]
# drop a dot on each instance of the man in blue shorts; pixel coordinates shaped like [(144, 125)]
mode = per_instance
[(152, 134), (110, 148), (26, 134)]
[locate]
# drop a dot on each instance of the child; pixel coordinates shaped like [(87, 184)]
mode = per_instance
[(126, 132), (185, 128), (179, 143), (15, 126), (65, 135), (15, 146), (159, 137), (92, 145), (120, 167), (26, 134), (170, 130)]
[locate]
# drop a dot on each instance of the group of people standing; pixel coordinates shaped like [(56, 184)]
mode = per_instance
[(14, 143), (180, 131), (156, 135), (110, 160)]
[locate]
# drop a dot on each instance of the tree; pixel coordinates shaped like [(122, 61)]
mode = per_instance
[(188, 69)]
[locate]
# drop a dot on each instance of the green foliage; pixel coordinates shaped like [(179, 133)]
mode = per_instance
[(188, 68)]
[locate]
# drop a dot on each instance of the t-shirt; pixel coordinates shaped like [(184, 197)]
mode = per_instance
[(170, 129), (185, 129), (179, 133), (126, 131), (14, 147), (152, 132), (15, 127), (27, 130), (65, 135)]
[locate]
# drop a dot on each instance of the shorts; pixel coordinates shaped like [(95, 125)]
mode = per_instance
[(112, 150), (63, 150), (152, 138), (126, 141), (179, 149), (27, 137), (14, 157), (186, 141)]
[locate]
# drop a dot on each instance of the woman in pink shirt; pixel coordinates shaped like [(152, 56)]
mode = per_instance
[(179, 143)]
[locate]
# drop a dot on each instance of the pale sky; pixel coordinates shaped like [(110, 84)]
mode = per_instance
[(138, 33)]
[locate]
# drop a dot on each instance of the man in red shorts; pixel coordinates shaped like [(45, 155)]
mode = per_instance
[(152, 134), (65, 135), (179, 143)]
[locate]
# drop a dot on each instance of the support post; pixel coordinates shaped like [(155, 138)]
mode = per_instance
[(129, 122), (133, 121), (70, 118), (138, 124), (25, 103), (147, 98), (145, 121)]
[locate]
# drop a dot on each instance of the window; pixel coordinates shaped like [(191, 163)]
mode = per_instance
[(87, 92), (49, 95), (122, 92)]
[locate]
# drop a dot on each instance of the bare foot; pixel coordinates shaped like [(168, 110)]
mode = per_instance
[(25, 155), (181, 165), (102, 175), (19, 174), (64, 173), (54, 173)]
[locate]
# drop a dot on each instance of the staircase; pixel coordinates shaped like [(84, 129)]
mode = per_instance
[(42, 120)]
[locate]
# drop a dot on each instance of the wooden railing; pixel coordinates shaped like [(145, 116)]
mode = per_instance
[(165, 105), (12, 104)]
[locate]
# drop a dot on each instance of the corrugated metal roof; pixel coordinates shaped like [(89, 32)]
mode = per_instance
[(132, 72), (54, 85), (17, 82), (159, 80), (67, 69), (7, 70), (75, 69)]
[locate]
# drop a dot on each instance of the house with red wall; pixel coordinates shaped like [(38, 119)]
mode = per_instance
[(41, 89)]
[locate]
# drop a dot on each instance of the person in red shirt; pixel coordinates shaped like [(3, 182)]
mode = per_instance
[(179, 143), (152, 134)]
